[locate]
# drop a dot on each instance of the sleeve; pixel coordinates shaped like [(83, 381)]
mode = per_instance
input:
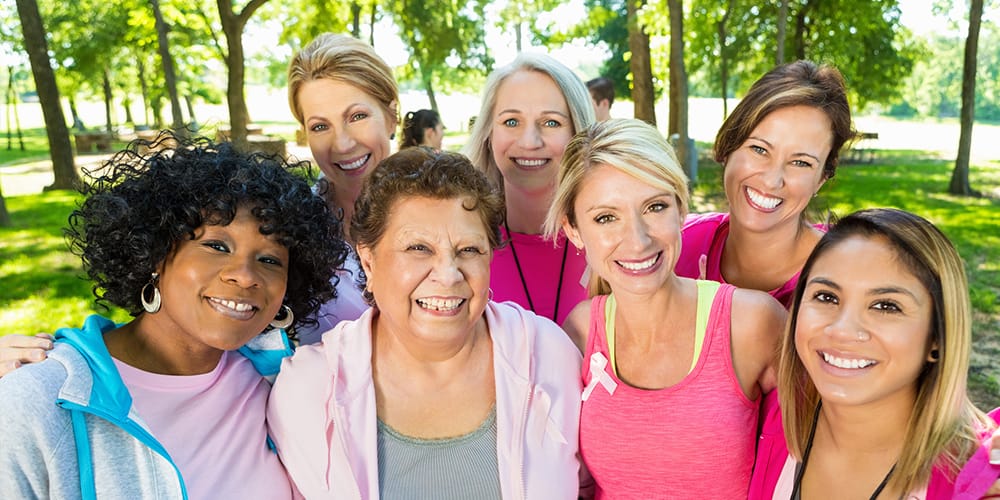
[(37, 454)]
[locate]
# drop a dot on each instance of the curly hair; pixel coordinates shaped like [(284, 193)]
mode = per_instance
[(421, 171), (139, 206)]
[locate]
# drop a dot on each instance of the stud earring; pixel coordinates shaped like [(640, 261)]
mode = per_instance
[(284, 318), (934, 355), (152, 304)]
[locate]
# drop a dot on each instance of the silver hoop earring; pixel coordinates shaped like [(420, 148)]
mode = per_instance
[(151, 305), (284, 318)]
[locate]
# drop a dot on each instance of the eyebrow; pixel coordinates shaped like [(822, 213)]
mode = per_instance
[(885, 290), (546, 112), (765, 141), (667, 194)]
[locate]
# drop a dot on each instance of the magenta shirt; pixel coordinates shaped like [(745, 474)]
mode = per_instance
[(705, 234), (541, 263)]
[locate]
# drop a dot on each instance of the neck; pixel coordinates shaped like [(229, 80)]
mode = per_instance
[(876, 428), (526, 211), (747, 252), (337, 199), (144, 346), (645, 314)]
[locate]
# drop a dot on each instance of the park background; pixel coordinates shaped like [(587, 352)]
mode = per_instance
[(903, 62)]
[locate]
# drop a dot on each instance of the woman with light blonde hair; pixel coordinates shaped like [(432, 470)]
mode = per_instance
[(666, 369), (531, 108), (872, 378)]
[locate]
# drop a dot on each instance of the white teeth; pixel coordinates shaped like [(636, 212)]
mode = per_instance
[(850, 364), (763, 200), (440, 304), (639, 266), (354, 165), (530, 163), (232, 304)]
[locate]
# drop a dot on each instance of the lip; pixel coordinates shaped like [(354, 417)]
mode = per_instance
[(527, 163), (217, 303), (749, 193), (657, 259), (441, 306), (354, 166), (837, 371)]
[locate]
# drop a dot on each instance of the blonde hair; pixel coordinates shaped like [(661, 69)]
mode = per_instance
[(344, 59), (944, 426), (581, 109), (630, 146)]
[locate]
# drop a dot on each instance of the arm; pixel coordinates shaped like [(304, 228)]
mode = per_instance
[(758, 324), (577, 325), (16, 350)]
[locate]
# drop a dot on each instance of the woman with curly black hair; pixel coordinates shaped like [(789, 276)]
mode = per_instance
[(215, 253)]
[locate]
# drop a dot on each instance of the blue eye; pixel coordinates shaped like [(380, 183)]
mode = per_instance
[(552, 124), (757, 149), (511, 122)]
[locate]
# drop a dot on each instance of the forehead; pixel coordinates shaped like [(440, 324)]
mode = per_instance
[(525, 89), (866, 261), (605, 182), (432, 216), (329, 94)]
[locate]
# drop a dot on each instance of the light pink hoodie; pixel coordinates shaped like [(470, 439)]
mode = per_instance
[(322, 409)]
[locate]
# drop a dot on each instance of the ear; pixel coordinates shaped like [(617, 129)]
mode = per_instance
[(571, 232), (367, 258), (393, 115)]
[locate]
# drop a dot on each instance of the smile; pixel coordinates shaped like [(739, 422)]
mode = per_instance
[(232, 308), (847, 364), (530, 162), (354, 165), (762, 200), (440, 305), (641, 265)]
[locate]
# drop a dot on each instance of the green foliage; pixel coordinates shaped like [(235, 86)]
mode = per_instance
[(43, 286)]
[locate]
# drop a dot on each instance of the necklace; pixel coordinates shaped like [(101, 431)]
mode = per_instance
[(524, 282), (797, 486)]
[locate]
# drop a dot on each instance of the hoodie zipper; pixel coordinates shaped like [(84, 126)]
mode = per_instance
[(134, 430)]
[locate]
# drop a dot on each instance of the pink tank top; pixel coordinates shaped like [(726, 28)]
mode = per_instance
[(692, 440)]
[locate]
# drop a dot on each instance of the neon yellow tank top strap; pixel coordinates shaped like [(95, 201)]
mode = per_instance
[(609, 328), (706, 295)]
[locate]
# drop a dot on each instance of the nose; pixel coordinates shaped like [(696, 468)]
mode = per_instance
[(343, 141), (446, 271), (773, 175), (638, 233), (241, 272), (847, 326), (530, 138)]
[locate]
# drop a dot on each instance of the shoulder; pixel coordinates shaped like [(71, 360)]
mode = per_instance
[(548, 344), (28, 397), (705, 222), (577, 324), (758, 309)]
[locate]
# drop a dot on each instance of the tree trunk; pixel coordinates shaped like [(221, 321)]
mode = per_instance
[(429, 86), (724, 58), (232, 26), (960, 176), (639, 65), (168, 68), (60, 149), (77, 121), (356, 19), (678, 85), (4, 214), (517, 36), (127, 106), (190, 107), (144, 90), (106, 86), (371, 23), (12, 108), (779, 56)]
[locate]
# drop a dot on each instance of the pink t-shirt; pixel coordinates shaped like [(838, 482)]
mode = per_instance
[(540, 264), (705, 234), (694, 439), (212, 425)]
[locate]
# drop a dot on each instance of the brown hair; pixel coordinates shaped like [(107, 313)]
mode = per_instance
[(801, 83), (421, 171), (344, 59)]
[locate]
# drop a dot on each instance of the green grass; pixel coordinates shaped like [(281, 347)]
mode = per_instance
[(36, 146), (910, 181)]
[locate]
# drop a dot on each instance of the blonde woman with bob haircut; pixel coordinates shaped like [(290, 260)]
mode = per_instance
[(531, 109), (872, 378), (665, 368)]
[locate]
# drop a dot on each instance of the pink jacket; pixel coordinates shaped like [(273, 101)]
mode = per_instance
[(975, 478), (322, 409)]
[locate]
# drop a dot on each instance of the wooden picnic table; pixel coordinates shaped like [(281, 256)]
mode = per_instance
[(87, 141), (863, 148)]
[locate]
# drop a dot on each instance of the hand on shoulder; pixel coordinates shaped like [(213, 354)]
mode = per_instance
[(16, 350)]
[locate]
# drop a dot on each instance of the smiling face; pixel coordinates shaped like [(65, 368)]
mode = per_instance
[(531, 127), (771, 177), (864, 324), (630, 230), (348, 132), (430, 275), (223, 287)]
